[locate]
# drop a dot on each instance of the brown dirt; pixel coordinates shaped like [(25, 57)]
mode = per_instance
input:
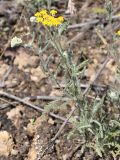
[(27, 131)]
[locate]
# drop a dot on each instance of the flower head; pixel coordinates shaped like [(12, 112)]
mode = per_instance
[(37, 14), (118, 32), (43, 12), (48, 19), (60, 19), (39, 19), (53, 12), (16, 41)]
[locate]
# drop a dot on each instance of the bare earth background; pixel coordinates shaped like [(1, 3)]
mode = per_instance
[(23, 131)]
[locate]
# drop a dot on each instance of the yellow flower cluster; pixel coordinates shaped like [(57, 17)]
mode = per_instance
[(118, 32), (48, 19)]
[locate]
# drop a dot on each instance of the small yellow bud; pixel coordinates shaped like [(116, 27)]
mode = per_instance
[(118, 32), (53, 12)]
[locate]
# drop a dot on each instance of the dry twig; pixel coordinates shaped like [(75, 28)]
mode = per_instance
[(29, 104)]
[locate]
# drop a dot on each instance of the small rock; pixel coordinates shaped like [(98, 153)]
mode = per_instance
[(32, 155), (50, 121), (14, 152), (6, 143), (15, 115), (24, 60), (37, 74)]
